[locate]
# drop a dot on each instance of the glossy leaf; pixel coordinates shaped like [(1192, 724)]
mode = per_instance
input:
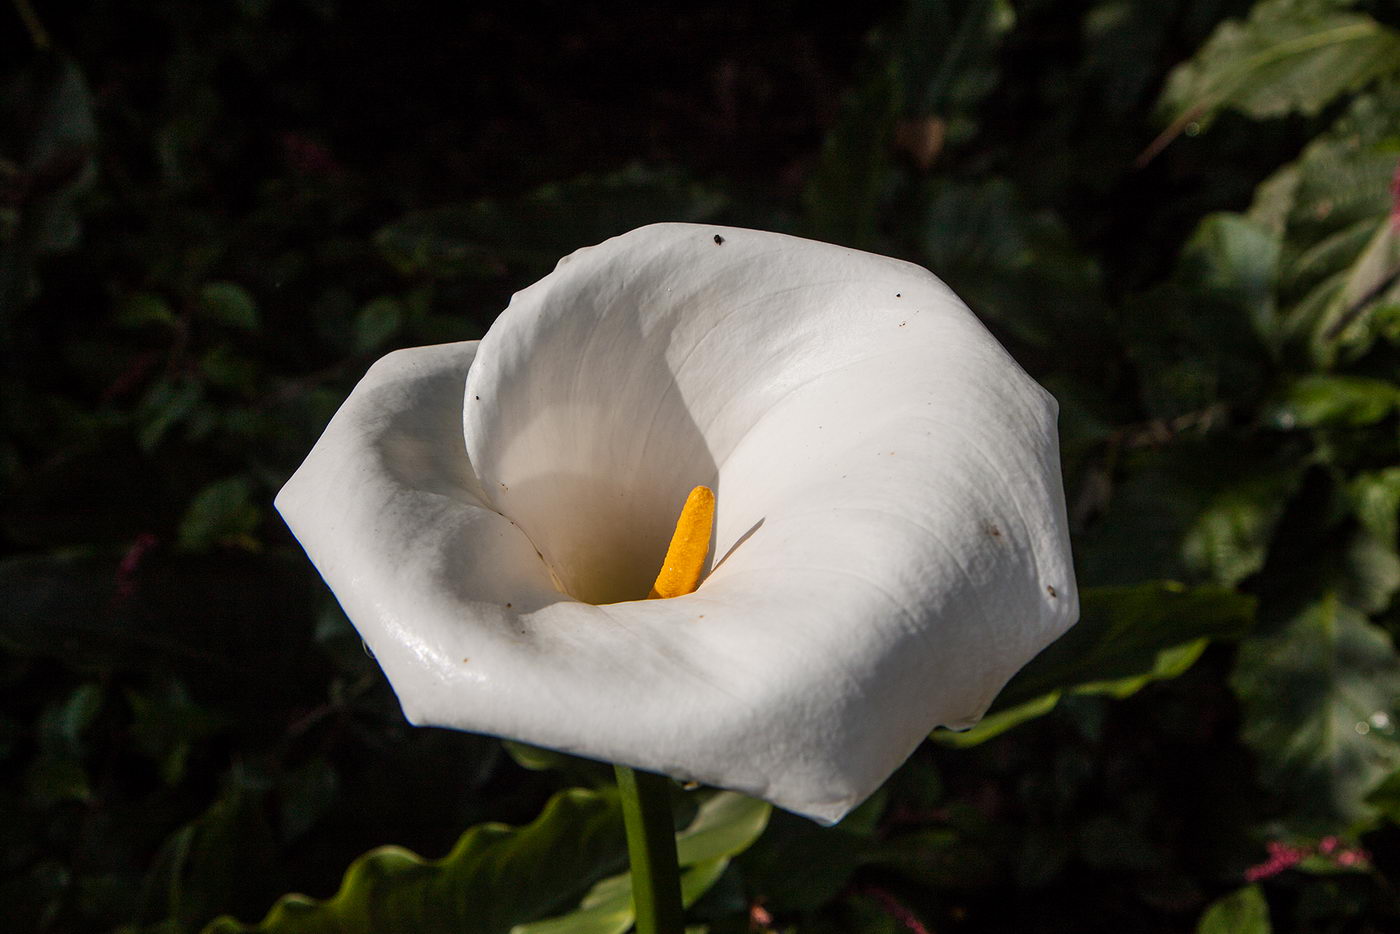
[(725, 826), (1243, 911), (1285, 57), (229, 304), (1376, 498), (1319, 701), (1123, 633), (494, 878), (1333, 400)]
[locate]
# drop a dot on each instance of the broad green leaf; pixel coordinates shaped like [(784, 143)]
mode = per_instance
[(1376, 499), (1367, 575), (1332, 206), (222, 512), (1319, 699), (61, 726), (1286, 57), (166, 724), (1237, 261), (495, 878), (725, 826), (1328, 400), (1169, 663), (575, 770), (1016, 265), (376, 322), (1243, 911), (165, 405), (1123, 632), (1230, 537), (1385, 797), (1373, 279), (142, 309), (48, 135), (220, 862), (230, 304)]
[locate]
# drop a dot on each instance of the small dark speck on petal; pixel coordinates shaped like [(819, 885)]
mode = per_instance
[(899, 295), (718, 239), (702, 615), (465, 660), (993, 531), (478, 398), (1050, 590), (903, 323), (507, 606)]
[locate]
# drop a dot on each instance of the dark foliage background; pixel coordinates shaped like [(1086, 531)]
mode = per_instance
[(1180, 215)]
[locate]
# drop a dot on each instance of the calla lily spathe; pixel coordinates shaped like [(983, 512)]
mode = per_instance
[(890, 541)]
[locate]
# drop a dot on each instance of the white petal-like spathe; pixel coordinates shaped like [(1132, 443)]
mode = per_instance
[(890, 541)]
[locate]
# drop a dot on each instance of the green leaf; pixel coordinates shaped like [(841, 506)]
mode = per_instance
[(574, 770), (1017, 266), (222, 512), (1385, 797), (1319, 699), (166, 724), (725, 826), (62, 725), (995, 724), (220, 862), (376, 322), (1332, 205), (144, 308), (1236, 261), (1169, 663), (1374, 278), (1229, 538), (495, 878), (1123, 632), (164, 406), (1286, 57), (48, 133), (230, 304), (1243, 911), (1376, 500)]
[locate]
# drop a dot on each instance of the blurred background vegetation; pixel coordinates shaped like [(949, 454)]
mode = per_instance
[(1180, 215)]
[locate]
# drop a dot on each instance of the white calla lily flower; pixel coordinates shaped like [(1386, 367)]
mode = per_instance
[(889, 541)]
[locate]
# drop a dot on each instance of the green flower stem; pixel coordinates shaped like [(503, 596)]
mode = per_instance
[(651, 842)]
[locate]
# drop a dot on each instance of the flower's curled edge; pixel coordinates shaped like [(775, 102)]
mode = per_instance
[(890, 543)]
